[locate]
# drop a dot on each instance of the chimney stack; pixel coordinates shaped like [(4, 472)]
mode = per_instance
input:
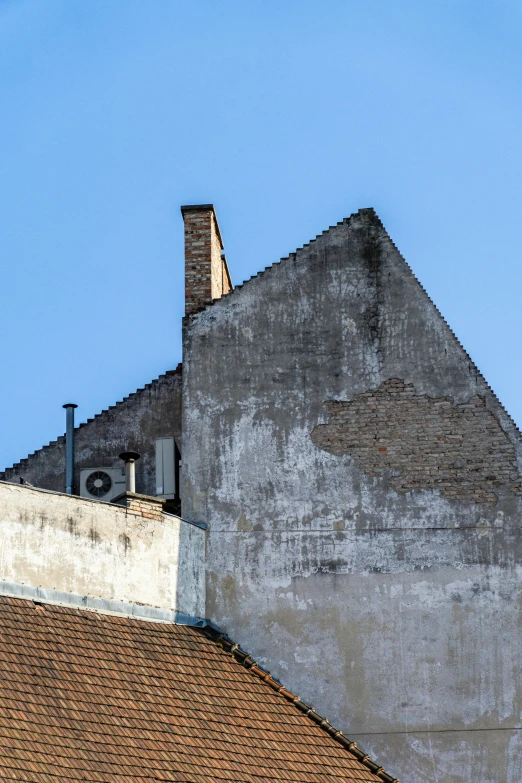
[(206, 271), (130, 457)]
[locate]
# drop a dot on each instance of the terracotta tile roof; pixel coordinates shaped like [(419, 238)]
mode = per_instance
[(92, 697)]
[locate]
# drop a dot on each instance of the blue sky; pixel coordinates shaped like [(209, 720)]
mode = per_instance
[(288, 116)]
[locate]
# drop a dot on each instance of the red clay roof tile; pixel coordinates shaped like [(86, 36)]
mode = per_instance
[(104, 699)]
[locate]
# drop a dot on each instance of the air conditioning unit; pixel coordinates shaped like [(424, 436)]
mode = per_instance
[(102, 483), (166, 472)]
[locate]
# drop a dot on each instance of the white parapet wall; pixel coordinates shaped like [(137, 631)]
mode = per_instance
[(65, 545)]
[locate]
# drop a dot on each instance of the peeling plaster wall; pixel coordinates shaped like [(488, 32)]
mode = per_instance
[(64, 543), (396, 614), (135, 423)]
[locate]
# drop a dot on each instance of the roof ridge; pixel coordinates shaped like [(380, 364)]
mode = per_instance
[(61, 438), (439, 313), (246, 660), (272, 267)]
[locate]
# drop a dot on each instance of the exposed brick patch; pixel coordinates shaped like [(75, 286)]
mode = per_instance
[(424, 442), (142, 505)]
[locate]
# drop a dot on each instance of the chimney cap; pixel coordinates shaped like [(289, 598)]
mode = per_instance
[(197, 208), (129, 456), (69, 405), (203, 208)]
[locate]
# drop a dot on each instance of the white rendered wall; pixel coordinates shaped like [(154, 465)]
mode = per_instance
[(70, 544)]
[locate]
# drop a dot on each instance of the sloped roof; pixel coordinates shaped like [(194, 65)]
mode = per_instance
[(92, 697)]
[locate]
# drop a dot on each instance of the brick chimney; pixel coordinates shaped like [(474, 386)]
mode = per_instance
[(206, 271)]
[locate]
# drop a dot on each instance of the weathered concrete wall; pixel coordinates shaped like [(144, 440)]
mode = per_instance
[(392, 606), (60, 542), (135, 423)]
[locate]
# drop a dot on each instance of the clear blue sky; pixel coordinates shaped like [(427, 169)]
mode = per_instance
[(288, 115)]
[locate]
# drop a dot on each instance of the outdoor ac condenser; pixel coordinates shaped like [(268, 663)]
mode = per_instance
[(102, 483)]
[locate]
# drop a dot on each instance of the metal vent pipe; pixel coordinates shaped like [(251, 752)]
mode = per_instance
[(69, 446), (130, 457)]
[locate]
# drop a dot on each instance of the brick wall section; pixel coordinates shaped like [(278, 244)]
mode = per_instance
[(206, 271), (223, 278), (424, 442), (142, 505)]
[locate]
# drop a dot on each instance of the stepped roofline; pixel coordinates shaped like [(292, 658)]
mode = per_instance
[(61, 438), (371, 214)]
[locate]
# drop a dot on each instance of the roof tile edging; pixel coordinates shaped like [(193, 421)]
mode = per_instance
[(105, 606), (244, 658), (61, 438)]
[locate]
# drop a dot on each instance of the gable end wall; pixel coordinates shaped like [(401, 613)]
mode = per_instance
[(391, 603)]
